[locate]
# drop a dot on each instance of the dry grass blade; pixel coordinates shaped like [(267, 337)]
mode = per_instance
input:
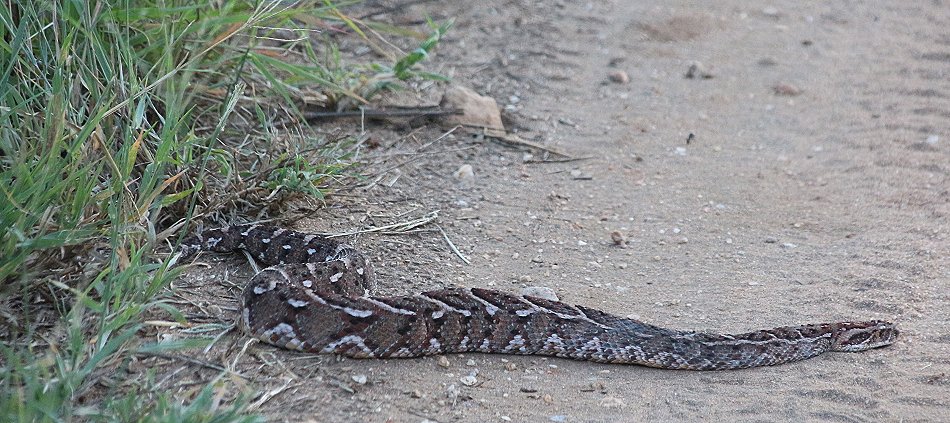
[(267, 396), (453, 247), (395, 228)]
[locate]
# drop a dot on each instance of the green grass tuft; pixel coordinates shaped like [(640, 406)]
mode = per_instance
[(117, 121)]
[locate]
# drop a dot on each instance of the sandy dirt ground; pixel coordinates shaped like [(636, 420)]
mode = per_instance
[(815, 187)]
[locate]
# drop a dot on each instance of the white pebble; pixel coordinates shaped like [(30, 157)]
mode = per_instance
[(464, 172), (540, 292)]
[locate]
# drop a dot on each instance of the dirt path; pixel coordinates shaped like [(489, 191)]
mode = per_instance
[(786, 207)]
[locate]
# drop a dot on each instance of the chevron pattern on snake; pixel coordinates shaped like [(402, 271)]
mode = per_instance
[(316, 296)]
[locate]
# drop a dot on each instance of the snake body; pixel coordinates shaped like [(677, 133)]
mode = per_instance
[(316, 297)]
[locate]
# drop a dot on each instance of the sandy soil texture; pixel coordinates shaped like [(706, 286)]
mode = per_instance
[(815, 187)]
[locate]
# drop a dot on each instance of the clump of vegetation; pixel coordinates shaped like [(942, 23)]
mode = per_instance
[(119, 121)]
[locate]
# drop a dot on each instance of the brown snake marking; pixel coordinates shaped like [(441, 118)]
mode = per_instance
[(315, 297)]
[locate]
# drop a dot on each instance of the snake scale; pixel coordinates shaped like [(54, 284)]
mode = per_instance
[(316, 297)]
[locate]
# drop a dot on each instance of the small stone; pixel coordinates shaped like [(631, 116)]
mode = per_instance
[(547, 398), (443, 361), (696, 70), (468, 380), (558, 418), (786, 89), (933, 139), (505, 418), (612, 402), (528, 389), (788, 245), (464, 173), (415, 393), (682, 240), (771, 240), (474, 110), (537, 259), (540, 292), (618, 238), (578, 174), (618, 77), (511, 367), (359, 379), (680, 151), (470, 362), (770, 12)]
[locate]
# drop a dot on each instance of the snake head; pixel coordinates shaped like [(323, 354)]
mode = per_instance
[(860, 336)]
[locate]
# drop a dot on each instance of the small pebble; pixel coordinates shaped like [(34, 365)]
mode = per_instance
[(619, 77), (468, 380), (933, 139), (528, 389), (470, 362), (618, 238), (786, 89), (788, 245), (696, 70), (464, 173), (443, 361), (682, 240), (360, 379), (558, 418), (680, 151), (580, 175), (612, 402), (540, 292), (770, 12), (771, 240)]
